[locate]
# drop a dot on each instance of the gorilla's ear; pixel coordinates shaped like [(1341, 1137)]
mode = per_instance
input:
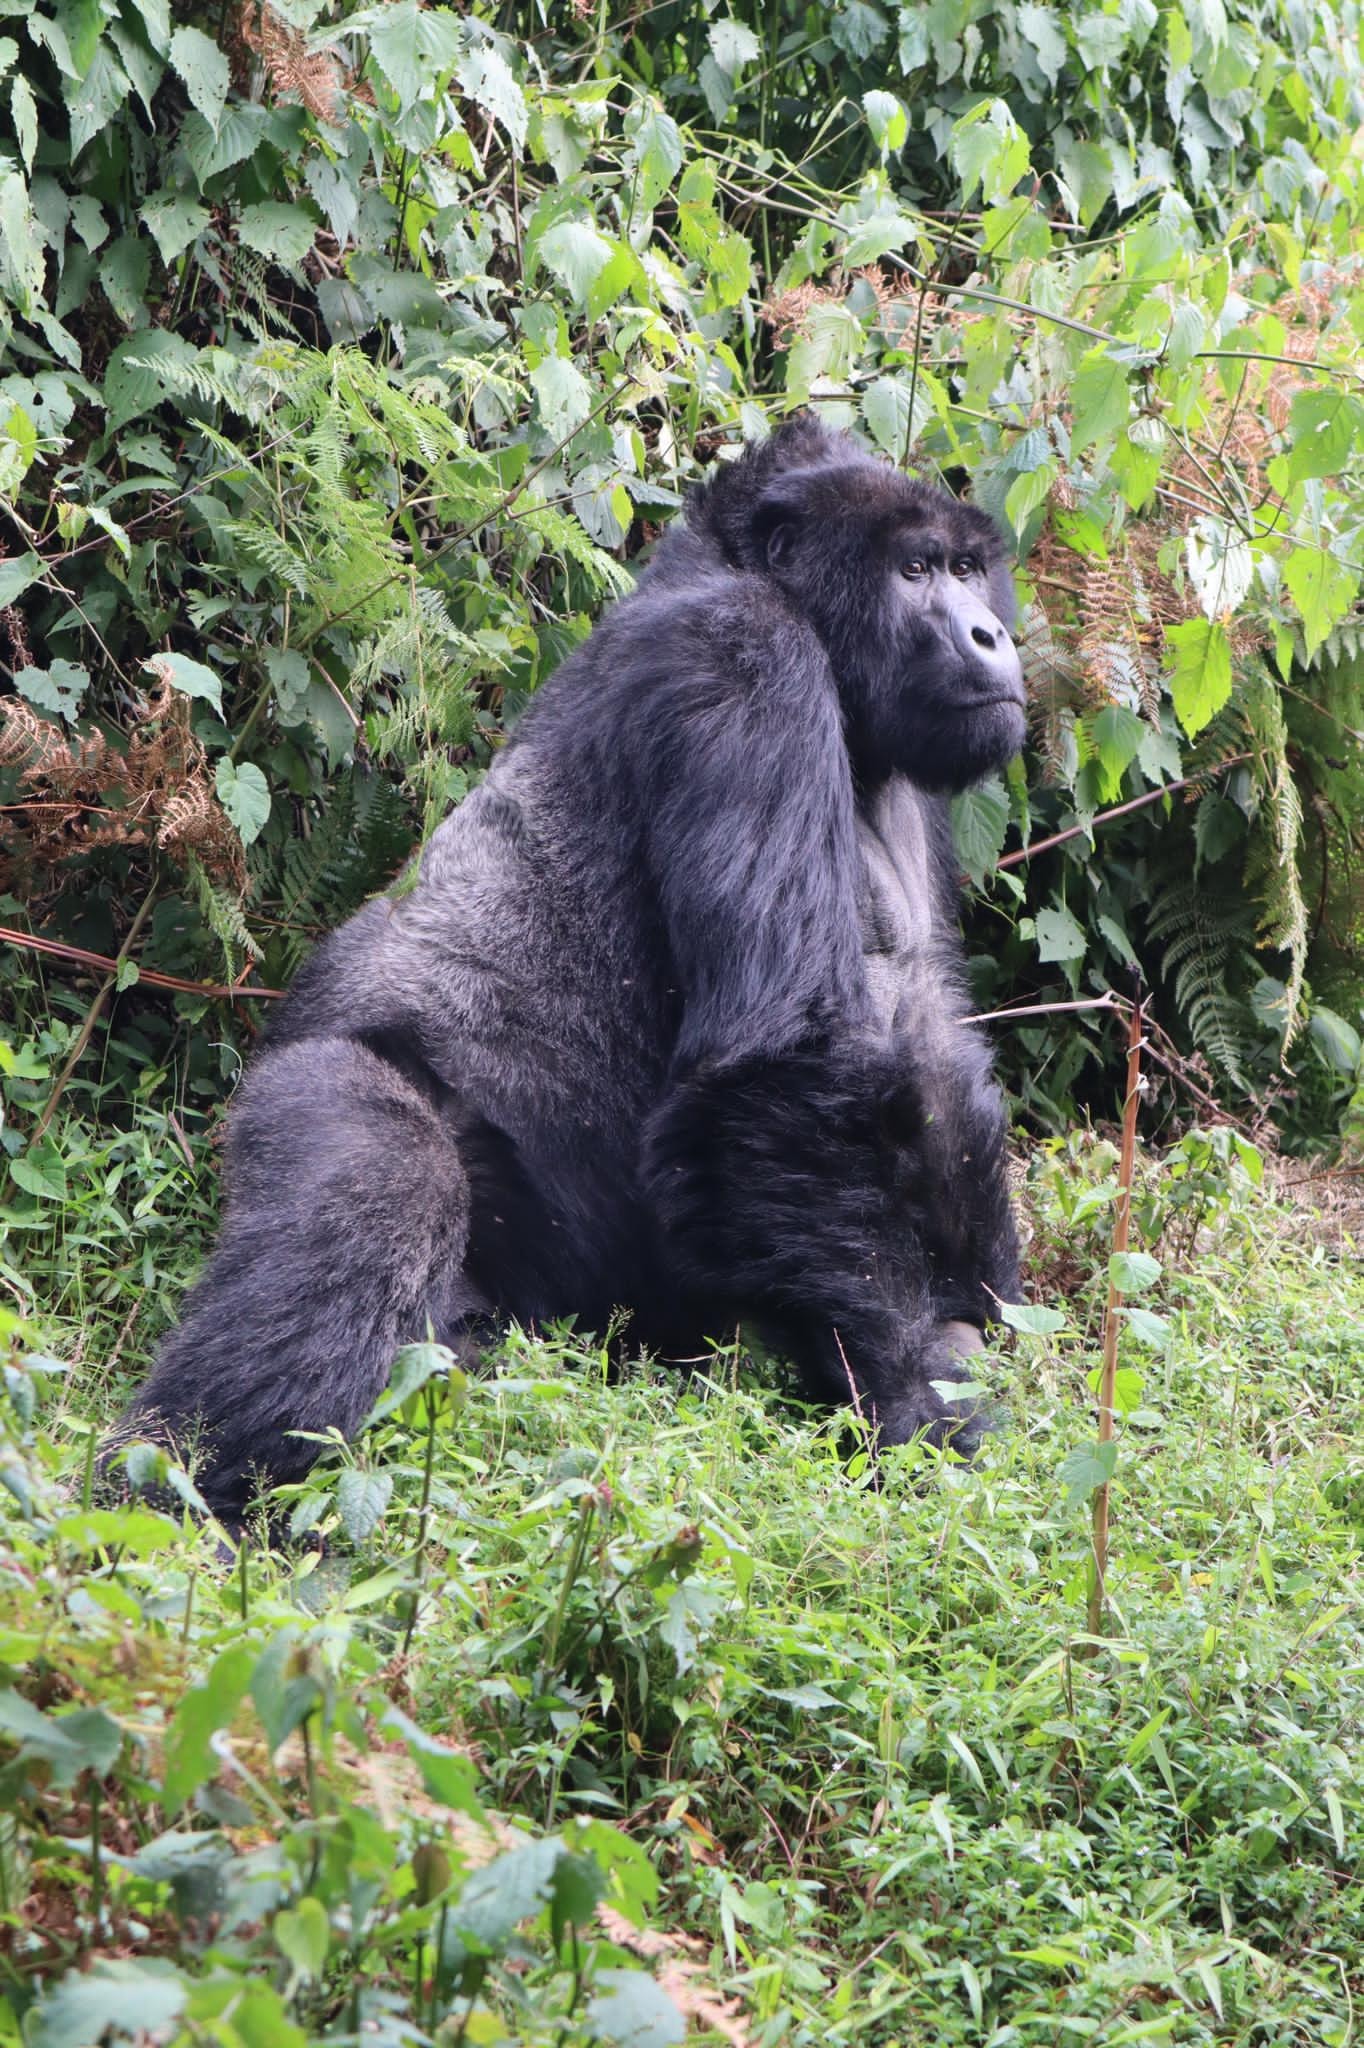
[(776, 526)]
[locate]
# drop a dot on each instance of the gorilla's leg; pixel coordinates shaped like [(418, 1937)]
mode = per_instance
[(347, 1217), (797, 1191)]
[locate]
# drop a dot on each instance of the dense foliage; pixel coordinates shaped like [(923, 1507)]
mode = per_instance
[(589, 1711), (353, 357)]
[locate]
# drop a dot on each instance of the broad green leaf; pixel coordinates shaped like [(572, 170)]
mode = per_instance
[(886, 410), (1042, 31), (1133, 1272), (303, 1936), (416, 48), (632, 2011), (1030, 1319), (1338, 1041), (413, 1367), (66, 1743), (24, 113), (201, 1713), (361, 1498), (59, 689), (1059, 936), (124, 273), (563, 394), (205, 71), (1198, 653), (486, 77), (173, 223), (1117, 734), (17, 572), (283, 233), (245, 795), (187, 676), (1086, 1468), (40, 1170), (1324, 430), (733, 45), (115, 2000), (507, 1891), (94, 100), (655, 158), (1099, 401), (989, 149), (980, 822), (888, 121), (577, 254), (1147, 1327), (1322, 588)]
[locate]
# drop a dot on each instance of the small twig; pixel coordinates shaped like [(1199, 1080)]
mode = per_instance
[(1133, 803), (1005, 1016), (1108, 1375), (80, 956), (93, 1015)]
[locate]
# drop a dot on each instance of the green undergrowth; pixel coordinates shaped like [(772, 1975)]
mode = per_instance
[(575, 1707)]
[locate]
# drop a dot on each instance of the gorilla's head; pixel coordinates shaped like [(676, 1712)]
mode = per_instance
[(908, 589)]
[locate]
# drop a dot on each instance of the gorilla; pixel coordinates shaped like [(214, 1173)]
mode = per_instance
[(671, 1019)]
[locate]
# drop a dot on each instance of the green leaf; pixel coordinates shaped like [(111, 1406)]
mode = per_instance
[(1086, 1468), (989, 149), (486, 77), (16, 574), (24, 113), (1322, 588), (632, 2011), (733, 45), (1099, 401), (205, 71), (886, 410), (1338, 1042), (303, 1936), (413, 1367), (655, 159), (577, 254), (112, 2001), (283, 233), (58, 689), (94, 100), (1133, 1272), (888, 121), (980, 823), (187, 676), (124, 273), (1147, 1327), (80, 1739), (1324, 428), (1058, 935), (563, 394), (1198, 653), (173, 223), (1117, 734), (1040, 28), (1030, 1319), (361, 1498), (202, 1711), (245, 795), (133, 382), (510, 1889), (40, 1170)]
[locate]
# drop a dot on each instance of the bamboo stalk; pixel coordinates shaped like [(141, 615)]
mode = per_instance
[(1108, 1375)]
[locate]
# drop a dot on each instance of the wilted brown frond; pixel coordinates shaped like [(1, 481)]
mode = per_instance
[(80, 794), (317, 78)]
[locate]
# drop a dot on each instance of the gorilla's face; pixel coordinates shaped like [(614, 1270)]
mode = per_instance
[(911, 594)]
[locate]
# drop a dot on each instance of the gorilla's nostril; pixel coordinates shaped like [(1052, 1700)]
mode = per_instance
[(983, 637)]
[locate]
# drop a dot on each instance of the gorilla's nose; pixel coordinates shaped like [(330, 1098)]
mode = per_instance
[(987, 648)]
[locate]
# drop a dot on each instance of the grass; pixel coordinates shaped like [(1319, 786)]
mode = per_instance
[(586, 1710)]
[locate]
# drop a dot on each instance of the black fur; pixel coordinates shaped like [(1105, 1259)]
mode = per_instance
[(670, 1019)]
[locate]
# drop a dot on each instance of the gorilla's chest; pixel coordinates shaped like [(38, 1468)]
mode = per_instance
[(909, 944)]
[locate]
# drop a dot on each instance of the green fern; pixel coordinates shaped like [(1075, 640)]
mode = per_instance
[(1202, 932)]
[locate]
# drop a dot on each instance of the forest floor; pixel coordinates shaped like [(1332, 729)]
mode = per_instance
[(585, 1709)]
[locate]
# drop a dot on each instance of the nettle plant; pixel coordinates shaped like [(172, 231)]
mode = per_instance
[(357, 359)]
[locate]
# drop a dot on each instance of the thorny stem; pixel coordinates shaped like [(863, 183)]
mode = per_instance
[(1108, 1373)]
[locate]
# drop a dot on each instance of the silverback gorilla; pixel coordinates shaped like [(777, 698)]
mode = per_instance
[(671, 1020)]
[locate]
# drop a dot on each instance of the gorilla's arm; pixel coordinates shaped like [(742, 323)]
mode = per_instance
[(780, 1157)]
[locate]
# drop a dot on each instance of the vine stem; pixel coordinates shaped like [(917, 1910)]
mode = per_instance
[(1122, 1223), (93, 1015)]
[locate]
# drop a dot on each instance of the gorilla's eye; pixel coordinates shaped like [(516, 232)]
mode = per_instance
[(914, 569), (964, 565)]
